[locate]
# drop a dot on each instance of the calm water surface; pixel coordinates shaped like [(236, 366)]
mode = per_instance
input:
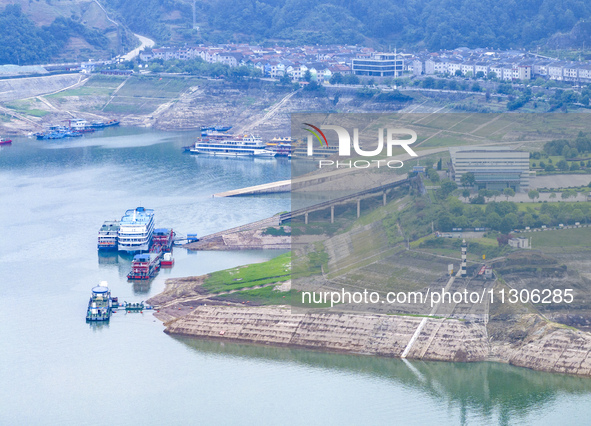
[(56, 369)]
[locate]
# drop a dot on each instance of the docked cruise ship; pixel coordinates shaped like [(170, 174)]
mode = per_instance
[(232, 146), (136, 229)]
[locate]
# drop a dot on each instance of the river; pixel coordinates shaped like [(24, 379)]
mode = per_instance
[(57, 369)]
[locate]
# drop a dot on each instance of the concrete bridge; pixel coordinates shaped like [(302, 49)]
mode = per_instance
[(356, 197)]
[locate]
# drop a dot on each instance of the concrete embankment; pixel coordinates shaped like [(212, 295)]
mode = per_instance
[(550, 348), (20, 88), (243, 240), (386, 335), (244, 237)]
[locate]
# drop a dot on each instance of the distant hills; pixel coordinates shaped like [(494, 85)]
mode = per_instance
[(38, 31), (432, 24)]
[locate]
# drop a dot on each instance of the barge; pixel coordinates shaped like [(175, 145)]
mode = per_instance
[(99, 305)]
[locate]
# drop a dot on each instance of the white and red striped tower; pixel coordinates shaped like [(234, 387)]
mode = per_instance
[(463, 271)]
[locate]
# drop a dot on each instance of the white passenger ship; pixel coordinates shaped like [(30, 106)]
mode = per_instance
[(136, 229), (232, 146)]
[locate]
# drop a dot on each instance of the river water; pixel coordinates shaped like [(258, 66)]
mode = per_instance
[(57, 369)]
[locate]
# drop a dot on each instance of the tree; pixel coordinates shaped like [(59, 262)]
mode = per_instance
[(562, 165), (568, 194), (492, 75), (336, 78), (308, 76), (533, 194), (577, 215), (508, 192), (468, 180), (444, 222), (439, 165), (465, 193), (553, 195), (458, 73), (493, 220), (447, 187), (285, 80), (574, 166), (432, 175)]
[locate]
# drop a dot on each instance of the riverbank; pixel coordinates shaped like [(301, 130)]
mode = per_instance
[(544, 347)]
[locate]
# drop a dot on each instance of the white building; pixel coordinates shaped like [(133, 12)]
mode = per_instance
[(494, 168), (520, 243)]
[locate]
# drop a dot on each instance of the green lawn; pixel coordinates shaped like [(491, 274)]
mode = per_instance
[(577, 237), (275, 270)]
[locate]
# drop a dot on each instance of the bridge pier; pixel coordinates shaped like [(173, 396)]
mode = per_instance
[(332, 214), (384, 198), (358, 207), (306, 218)]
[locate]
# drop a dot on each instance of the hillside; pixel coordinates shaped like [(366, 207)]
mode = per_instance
[(45, 31), (42, 31), (433, 24)]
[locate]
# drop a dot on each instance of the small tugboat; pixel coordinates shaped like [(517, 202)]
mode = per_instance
[(114, 303), (167, 260), (5, 141), (144, 266), (99, 305)]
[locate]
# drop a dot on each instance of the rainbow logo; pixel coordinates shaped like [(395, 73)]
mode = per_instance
[(317, 134)]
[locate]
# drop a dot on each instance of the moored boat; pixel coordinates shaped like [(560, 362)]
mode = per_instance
[(5, 141), (99, 305), (136, 229), (167, 260), (232, 146), (144, 266), (108, 235), (162, 238)]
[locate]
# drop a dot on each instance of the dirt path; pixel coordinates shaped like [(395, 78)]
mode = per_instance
[(272, 111)]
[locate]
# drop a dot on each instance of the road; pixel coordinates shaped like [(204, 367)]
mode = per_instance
[(145, 41)]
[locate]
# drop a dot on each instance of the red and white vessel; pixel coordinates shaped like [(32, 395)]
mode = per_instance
[(145, 266), (167, 260), (5, 141)]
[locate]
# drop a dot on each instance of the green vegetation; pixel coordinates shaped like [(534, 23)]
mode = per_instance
[(276, 232), (27, 107), (417, 219), (576, 237), (260, 296), (198, 66), (477, 247), (430, 23), (275, 270), (24, 43), (564, 156)]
